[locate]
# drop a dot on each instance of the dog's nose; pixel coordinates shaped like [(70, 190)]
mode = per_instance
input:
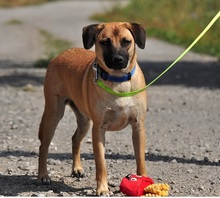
[(117, 59)]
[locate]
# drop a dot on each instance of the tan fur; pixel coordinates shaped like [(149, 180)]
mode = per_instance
[(70, 77)]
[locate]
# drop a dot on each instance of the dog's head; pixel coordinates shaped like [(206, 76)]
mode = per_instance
[(114, 42)]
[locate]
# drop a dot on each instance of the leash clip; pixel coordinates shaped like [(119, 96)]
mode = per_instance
[(95, 69)]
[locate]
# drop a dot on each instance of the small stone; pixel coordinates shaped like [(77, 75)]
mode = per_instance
[(189, 171), (64, 194), (28, 88), (173, 161), (176, 190), (206, 159), (201, 188), (50, 191), (158, 150), (212, 182), (208, 150), (24, 167), (55, 148), (172, 182), (53, 162), (37, 195), (193, 159), (9, 171), (112, 183), (89, 141), (89, 192), (14, 126)]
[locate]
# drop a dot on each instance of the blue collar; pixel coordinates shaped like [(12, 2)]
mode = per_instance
[(106, 76)]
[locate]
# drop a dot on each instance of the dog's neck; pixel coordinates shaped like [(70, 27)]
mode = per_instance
[(100, 72)]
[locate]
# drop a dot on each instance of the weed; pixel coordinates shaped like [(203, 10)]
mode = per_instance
[(54, 46), (175, 21), (13, 22)]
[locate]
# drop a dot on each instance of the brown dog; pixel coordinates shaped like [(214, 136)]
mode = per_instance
[(70, 80)]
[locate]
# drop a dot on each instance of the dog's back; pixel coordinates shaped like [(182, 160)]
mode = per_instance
[(72, 63), (74, 60)]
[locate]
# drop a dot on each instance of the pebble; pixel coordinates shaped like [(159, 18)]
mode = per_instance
[(38, 195), (89, 141), (89, 192), (14, 126), (201, 188), (172, 182), (176, 190), (9, 170), (160, 179), (189, 171), (173, 161), (28, 87), (53, 162), (206, 159), (64, 194), (113, 183), (24, 167)]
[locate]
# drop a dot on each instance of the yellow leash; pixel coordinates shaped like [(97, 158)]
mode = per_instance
[(127, 94)]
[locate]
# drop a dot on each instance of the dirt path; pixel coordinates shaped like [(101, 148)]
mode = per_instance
[(183, 118)]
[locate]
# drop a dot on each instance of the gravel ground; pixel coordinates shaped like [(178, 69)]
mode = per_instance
[(183, 130)]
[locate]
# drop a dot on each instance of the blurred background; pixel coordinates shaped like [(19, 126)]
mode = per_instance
[(47, 29)]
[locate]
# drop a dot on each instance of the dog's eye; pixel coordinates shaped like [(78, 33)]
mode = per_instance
[(106, 42), (125, 42)]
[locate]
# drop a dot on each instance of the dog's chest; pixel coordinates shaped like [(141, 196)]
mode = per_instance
[(118, 114)]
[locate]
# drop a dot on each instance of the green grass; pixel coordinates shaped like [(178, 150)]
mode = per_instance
[(13, 22), (54, 46), (178, 22)]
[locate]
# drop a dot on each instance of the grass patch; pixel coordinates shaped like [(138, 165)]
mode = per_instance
[(54, 46), (15, 3), (175, 21), (14, 22)]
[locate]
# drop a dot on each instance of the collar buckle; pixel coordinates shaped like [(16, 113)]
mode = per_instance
[(95, 69)]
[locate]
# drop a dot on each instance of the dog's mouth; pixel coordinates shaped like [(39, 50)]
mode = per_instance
[(116, 61)]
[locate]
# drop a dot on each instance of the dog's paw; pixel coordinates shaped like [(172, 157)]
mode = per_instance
[(46, 180), (78, 173), (105, 193)]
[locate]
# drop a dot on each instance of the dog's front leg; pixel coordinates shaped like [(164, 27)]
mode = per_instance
[(98, 139), (139, 141)]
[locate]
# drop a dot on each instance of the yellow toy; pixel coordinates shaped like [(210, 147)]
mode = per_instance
[(157, 190)]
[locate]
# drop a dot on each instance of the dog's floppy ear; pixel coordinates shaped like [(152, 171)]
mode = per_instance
[(138, 33), (89, 34)]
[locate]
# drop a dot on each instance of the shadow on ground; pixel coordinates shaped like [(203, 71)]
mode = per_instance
[(25, 183), (189, 74), (89, 156), (20, 74)]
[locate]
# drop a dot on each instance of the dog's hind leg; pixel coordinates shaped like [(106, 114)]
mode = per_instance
[(83, 124), (53, 112)]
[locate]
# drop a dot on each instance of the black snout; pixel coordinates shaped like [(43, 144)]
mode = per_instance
[(118, 59)]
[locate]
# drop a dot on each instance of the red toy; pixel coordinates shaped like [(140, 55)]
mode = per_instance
[(133, 185)]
